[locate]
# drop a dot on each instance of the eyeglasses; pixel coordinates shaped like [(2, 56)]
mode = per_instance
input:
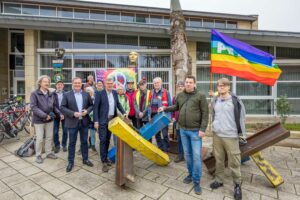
[(221, 85)]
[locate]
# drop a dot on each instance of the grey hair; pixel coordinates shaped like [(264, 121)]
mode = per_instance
[(89, 89), (40, 79), (157, 79), (90, 77), (76, 78), (109, 79)]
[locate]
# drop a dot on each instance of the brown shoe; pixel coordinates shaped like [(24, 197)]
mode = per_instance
[(105, 167), (179, 159)]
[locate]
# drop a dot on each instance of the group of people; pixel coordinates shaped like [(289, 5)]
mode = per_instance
[(89, 108)]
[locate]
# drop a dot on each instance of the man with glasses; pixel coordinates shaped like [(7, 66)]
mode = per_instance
[(228, 123)]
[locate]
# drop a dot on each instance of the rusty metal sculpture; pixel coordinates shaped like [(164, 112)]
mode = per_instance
[(182, 62)]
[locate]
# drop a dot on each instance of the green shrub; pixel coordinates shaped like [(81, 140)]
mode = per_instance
[(283, 108)]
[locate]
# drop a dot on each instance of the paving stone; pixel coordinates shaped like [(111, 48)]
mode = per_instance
[(297, 187), (50, 165), (111, 175), (56, 187), (263, 197), (287, 187), (14, 179), (62, 172), (249, 195), (167, 171), (149, 188), (140, 171), (3, 187), (178, 185), (8, 171), (39, 195), (4, 153), (174, 194), (30, 171), (144, 164), (25, 188), (12, 146), (74, 194), (260, 188), (111, 191), (41, 178), (10, 158), (152, 176), (147, 198), (9, 195), (3, 165), (20, 164), (207, 194), (287, 196), (83, 180), (294, 179)]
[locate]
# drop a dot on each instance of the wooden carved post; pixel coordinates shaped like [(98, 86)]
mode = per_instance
[(182, 62)]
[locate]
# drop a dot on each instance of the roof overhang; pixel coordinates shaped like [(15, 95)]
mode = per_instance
[(198, 34)]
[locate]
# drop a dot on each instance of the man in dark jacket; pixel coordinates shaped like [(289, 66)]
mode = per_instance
[(193, 120), (105, 109), (76, 105), (59, 92)]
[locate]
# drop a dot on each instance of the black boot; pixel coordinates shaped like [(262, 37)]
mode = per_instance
[(237, 192)]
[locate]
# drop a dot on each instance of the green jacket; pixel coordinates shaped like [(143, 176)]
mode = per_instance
[(193, 110)]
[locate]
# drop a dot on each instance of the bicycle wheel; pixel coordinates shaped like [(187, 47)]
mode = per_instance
[(2, 135)]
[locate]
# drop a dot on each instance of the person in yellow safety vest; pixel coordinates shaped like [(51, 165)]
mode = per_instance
[(141, 103)]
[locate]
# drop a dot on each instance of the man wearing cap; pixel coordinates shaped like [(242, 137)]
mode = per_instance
[(59, 92), (130, 93), (141, 103)]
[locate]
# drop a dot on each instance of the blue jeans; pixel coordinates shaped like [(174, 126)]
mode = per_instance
[(93, 137), (56, 133), (192, 145), (73, 132)]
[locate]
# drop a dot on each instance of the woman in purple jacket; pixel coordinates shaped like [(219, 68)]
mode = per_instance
[(44, 110)]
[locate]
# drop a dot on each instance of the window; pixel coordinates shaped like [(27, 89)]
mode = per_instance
[(113, 16), (89, 61), (220, 24), (203, 51), (167, 20), (249, 88), (154, 61), (128, 17), (30, 9), (122, 42), (89, 41), (156, 19), (52, 39), (65, 12), (17, 42), (154, 43), (285, 52), (258, 106), (268, 49), (48, 11), (81, 14), (46, 61), (208, 23), (195, 22), (150, 75), (12, 8), (140, 18), (231, 25), (97, 14), (16, 62), (118, 61)]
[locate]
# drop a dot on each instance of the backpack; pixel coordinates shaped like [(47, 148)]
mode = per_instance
[(27, 149)]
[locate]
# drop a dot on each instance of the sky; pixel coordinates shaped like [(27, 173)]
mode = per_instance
[(275, 15)]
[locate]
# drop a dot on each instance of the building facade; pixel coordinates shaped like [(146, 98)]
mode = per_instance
[(98, 35)]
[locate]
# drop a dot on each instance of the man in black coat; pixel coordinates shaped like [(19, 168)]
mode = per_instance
[(76, 105), (105, 109)]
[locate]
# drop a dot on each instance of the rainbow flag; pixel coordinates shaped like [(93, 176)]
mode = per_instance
[(236, 58)]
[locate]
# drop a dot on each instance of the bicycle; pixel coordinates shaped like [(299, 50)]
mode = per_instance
[(15, 117)]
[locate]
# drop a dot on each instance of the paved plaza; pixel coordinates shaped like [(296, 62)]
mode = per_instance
[(22, 178)]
